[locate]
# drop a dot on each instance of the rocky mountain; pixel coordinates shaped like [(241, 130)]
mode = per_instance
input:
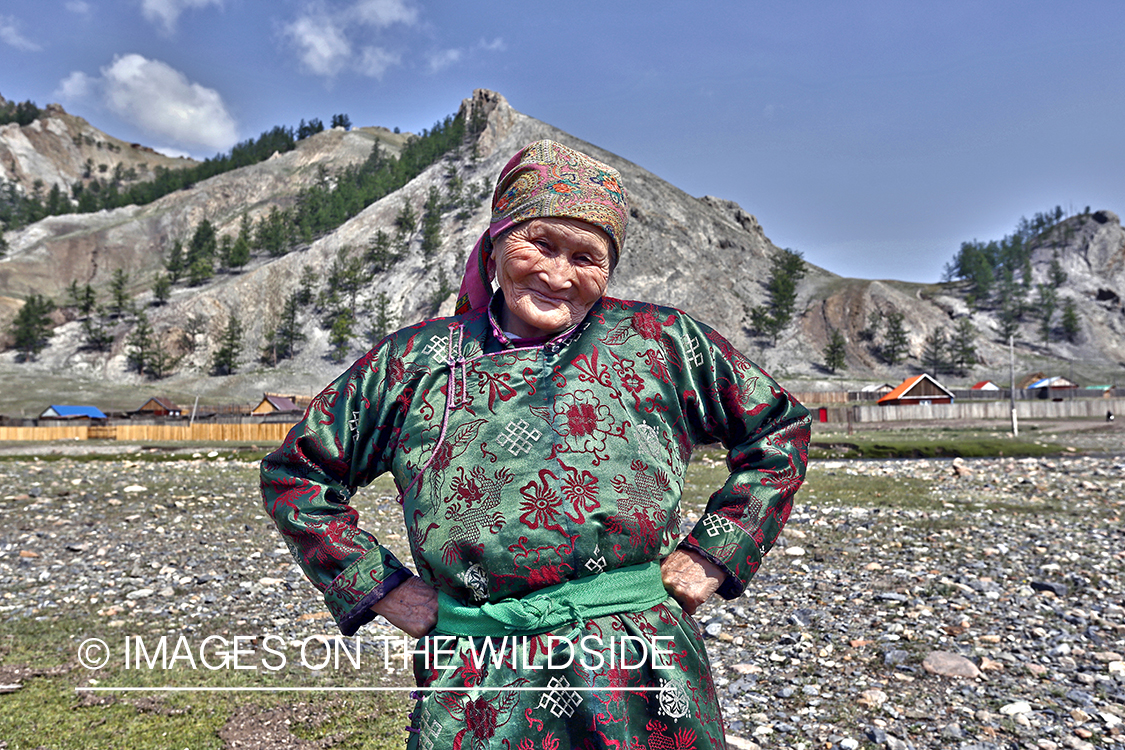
[(705, 255), (61, 149)]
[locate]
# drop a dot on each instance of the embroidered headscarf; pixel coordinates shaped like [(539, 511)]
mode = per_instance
[(546, 179)]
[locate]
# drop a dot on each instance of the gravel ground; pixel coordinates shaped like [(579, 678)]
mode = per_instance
[(911, 603)]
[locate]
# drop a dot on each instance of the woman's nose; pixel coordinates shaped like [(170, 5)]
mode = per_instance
[(557, 271)]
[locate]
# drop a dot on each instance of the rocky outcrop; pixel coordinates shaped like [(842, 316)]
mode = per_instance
[(61, 149)]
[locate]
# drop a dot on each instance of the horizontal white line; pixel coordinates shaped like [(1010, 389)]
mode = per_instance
[(280, 689)]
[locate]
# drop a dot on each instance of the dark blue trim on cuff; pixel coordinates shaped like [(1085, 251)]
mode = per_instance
[(361, 613), (731, 587)]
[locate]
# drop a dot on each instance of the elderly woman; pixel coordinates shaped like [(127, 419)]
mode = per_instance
[(539, 439)]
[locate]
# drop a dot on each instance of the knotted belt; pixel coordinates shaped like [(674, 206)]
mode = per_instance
[(631, 589)]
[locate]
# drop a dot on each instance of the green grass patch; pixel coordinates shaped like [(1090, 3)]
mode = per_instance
[(41, 655), (836, 486), (930, 444)]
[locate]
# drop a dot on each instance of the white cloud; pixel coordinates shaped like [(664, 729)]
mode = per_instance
[(159, 100), (375, 61), (382, 13), (75, 87), (326, 37), (167, 12), (321, 44), (81, 7), (442, 60), (496, 45), (10, 35)]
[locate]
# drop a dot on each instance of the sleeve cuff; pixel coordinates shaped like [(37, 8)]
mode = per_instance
[(727, 545)]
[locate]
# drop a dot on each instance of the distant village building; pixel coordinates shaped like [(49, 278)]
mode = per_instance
[(877, 388), (919, 389), (58, 411), (160, 406), (1054, 388), (985, 385), (273, 404)]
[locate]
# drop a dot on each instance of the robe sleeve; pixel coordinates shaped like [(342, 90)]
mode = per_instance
[(728, 399), (346, 439)]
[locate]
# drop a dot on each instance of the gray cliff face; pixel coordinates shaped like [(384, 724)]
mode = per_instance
[(55, 149), (706, 256)]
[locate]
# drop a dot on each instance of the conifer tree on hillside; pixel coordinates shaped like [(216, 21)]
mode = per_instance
[(139, 345), (1070, 322), (962, 346), (835, 353), (175, 263), (119, 293), (31, 328), (431, 224), (935, 352), (240, 251), (786, 272), (225, 359), (1047, 302), (895, 342), (162, 289), (82, 298)]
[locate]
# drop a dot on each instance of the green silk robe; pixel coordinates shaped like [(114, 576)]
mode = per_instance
[(524, 465)]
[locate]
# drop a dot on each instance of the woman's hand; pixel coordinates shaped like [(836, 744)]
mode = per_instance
[(690, 578), (412, 606)]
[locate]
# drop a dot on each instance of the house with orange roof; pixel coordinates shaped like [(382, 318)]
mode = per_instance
[(917, 389)]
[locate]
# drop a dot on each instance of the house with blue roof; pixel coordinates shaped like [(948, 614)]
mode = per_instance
[(59, 411)]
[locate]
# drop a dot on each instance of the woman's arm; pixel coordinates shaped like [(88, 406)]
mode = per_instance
[(727, 398)]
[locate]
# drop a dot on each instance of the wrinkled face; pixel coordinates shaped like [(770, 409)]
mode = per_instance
[(552, 271)]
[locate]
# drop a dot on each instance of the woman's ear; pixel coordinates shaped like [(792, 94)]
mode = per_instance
[(490, 266)]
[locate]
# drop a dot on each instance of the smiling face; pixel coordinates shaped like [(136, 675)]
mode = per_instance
[(551, 271)]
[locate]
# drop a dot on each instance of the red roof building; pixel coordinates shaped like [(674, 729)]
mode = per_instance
[(919, 389)]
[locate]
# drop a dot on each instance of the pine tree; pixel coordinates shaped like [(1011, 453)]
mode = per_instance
[(384, 320), (31, 328), (175, 263), (162, 289), (225, 359), (787, 270), (342, 121), (240, 251), (405, 221), (835, 354), (82, 298), (935, 352), (282, 341), (118, 290), (160, 363), (1009, 324), (99, 337), (1070, 323), (380, 254), (340, 336), (1056, 273), (139, 344), (962, 346), (431, 224), (226, 248), (895, 342), (1047, 302)]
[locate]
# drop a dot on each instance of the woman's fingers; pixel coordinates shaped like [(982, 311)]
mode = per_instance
[(411, 607), (690, 578)]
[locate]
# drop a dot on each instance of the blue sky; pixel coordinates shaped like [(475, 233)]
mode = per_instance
[(874, 137)]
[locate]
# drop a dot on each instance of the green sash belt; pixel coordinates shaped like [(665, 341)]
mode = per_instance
[(632, 589)]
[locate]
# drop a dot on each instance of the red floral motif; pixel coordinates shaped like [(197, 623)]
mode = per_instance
[(581, 419), (540, 505), (480, 718), (646, 324)]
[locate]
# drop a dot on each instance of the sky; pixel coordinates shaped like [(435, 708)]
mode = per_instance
[(874, 137)]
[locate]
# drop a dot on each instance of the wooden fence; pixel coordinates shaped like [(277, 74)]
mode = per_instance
[(1078, 408), (258, 432)]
